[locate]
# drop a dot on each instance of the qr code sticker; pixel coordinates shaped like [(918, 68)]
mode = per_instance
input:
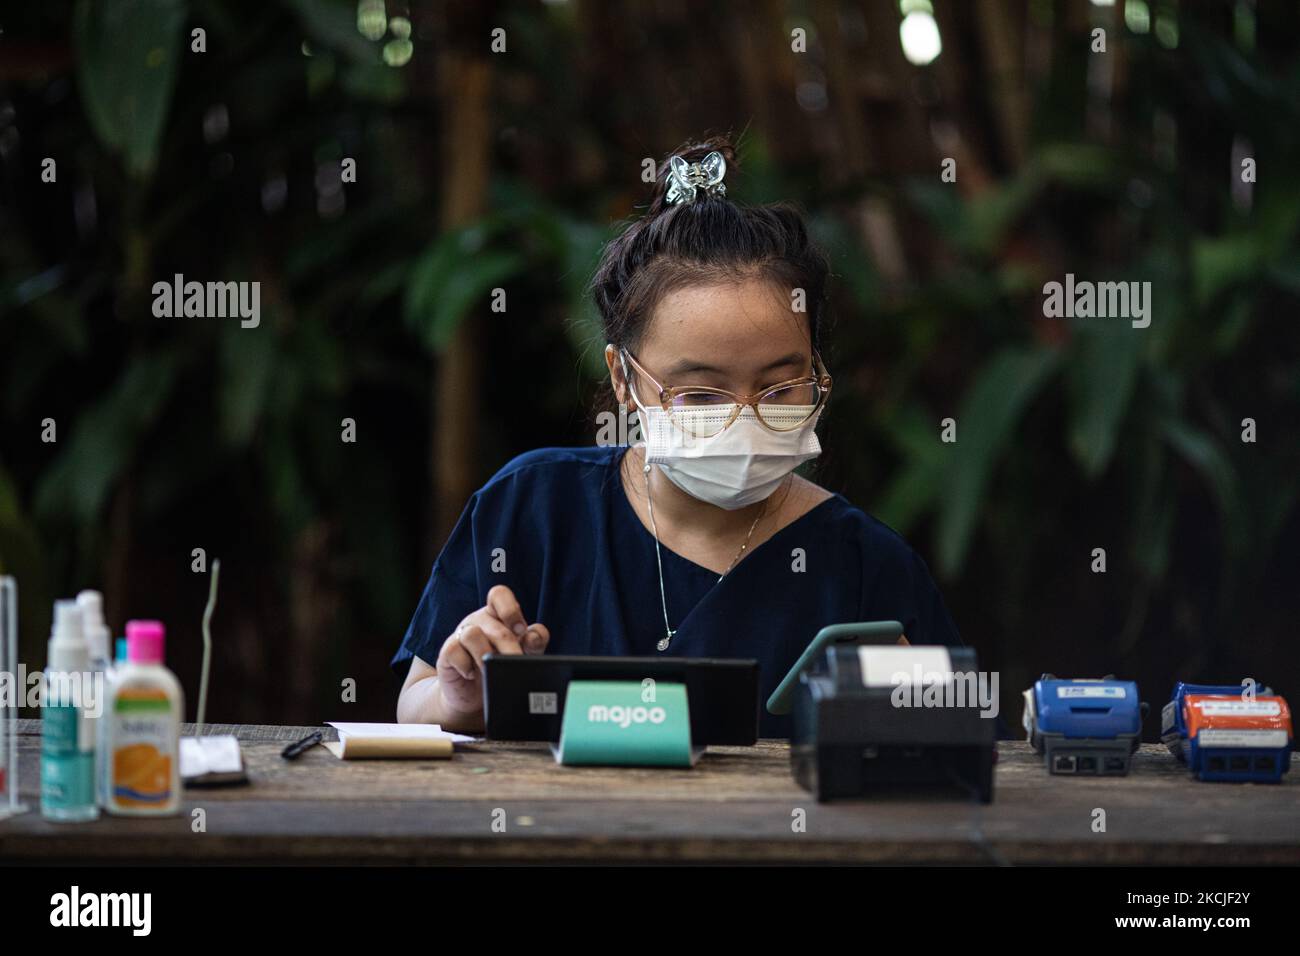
[(543, 703)]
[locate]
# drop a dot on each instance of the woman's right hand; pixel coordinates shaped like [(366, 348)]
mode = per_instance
[(497, 627)]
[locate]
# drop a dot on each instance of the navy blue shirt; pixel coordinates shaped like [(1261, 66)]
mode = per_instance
[(558, 524)]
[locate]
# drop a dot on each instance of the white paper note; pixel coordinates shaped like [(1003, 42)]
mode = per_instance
[(213, 754)]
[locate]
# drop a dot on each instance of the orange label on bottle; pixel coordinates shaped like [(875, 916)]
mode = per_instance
[(141, 776), (143, 746)]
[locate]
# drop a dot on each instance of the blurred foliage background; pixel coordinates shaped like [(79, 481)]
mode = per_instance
[(479, 169)]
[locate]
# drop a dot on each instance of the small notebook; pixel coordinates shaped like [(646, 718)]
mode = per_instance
[(378, 741)]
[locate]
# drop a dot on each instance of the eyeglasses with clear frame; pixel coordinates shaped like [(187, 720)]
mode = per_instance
[(790, 404)]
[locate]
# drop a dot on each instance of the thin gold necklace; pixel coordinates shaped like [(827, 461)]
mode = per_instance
[(663, 598)]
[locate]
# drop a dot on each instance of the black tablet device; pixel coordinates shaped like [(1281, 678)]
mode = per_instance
[(523, 694)]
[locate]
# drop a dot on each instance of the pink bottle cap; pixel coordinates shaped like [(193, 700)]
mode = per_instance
[(144, 642)]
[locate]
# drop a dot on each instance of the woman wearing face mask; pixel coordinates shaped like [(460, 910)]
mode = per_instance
[(701, 541)]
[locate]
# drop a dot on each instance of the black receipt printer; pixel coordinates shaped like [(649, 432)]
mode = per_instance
[(870, 719)]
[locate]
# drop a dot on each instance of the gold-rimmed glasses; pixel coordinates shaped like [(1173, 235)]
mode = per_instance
[(703, 411)]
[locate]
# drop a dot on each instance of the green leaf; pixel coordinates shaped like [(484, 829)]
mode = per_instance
[(1102, 378), (1153, 510), (343, 243), (921, 480), (1232, 80), (127, 55), (387, 281), (1200, 450), (1203, 453), (104, 439), (989, 415), (1080, 165), (374, 82), (20, 545), (449, 278), (582, 246), (991, 214), (1231, 328), (850, 263), (1286, 274), (979, 225), (1220, 263), (248, 359), (334, 27)]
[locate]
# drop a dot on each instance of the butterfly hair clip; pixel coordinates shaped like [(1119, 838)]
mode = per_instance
[(686, 179)]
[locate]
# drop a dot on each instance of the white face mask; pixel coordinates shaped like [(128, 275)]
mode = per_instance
[(740, 465)]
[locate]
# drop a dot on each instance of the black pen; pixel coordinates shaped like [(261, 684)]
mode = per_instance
[(294, 750)]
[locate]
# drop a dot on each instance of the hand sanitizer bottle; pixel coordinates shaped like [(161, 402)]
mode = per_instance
[(91, 604), (98, 640), (67, 741), (144, 716)]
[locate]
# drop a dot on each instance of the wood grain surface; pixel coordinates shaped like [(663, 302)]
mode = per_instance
[(510, 803)]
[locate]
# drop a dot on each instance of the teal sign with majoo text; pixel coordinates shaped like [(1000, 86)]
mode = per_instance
[(626, 723)]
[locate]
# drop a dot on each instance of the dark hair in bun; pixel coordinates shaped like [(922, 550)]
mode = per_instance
[(709, 240)]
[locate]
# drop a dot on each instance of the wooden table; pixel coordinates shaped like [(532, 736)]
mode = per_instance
[(738, 805)]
